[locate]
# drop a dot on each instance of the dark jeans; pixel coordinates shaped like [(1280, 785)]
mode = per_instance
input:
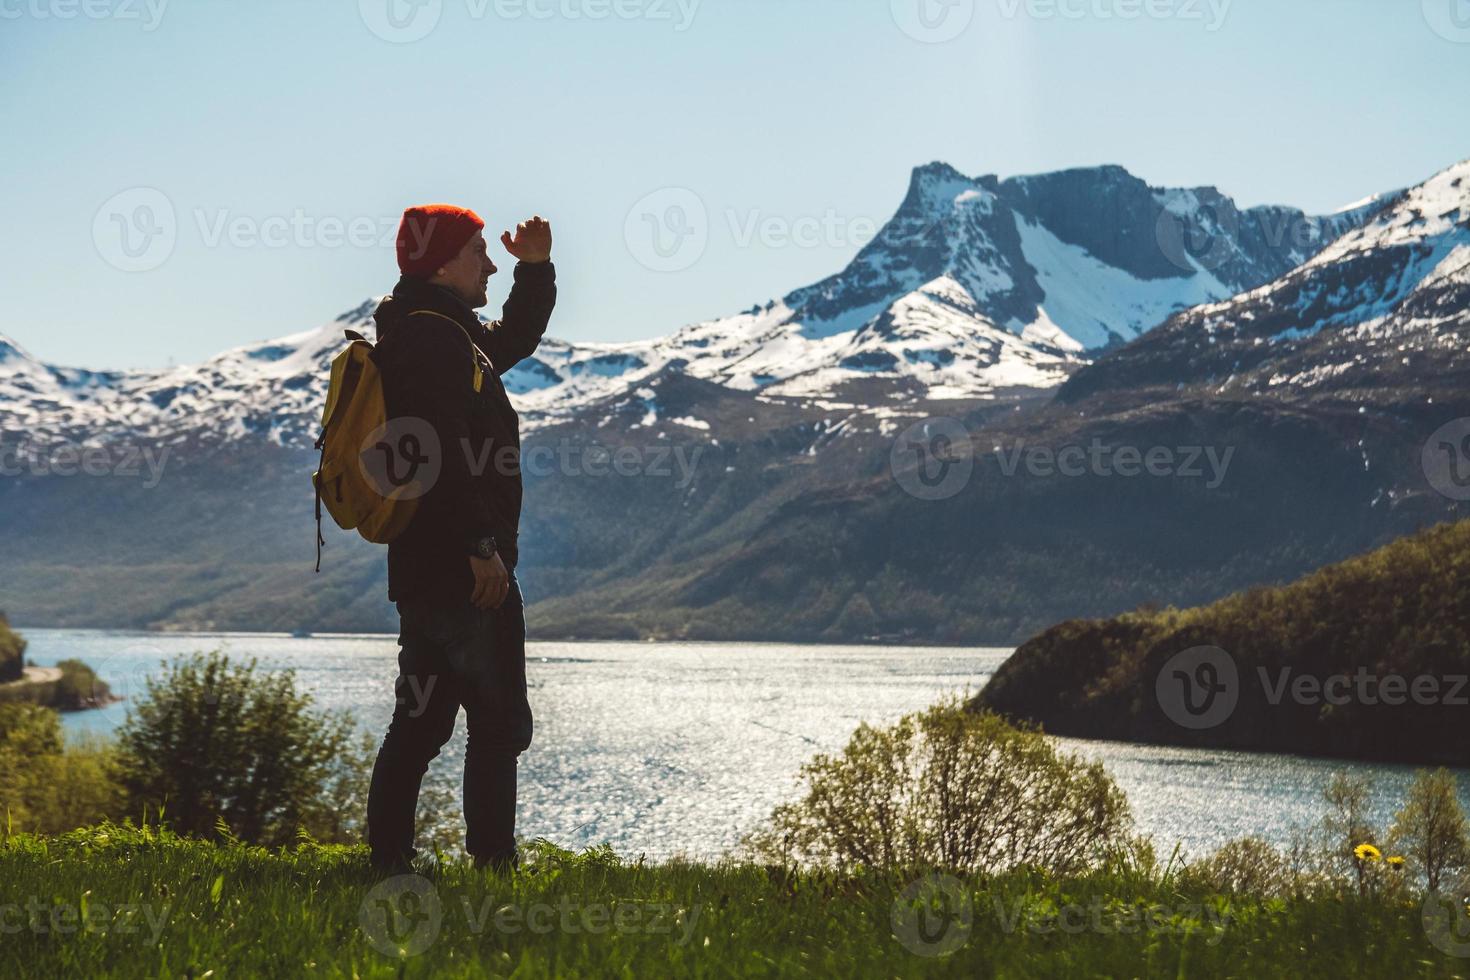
[(454, 655)]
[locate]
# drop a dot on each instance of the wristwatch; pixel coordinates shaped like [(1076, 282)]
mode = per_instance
[(483, 548)]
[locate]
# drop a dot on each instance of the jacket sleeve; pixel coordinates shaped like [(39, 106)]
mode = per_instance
[(522, 324), (433, 383)]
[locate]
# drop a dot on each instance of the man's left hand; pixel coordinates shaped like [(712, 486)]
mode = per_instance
[(531, 241)]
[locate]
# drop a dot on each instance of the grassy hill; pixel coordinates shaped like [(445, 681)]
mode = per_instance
[(1402, 611)]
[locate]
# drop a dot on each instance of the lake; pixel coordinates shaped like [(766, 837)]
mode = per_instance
[(670, 748)]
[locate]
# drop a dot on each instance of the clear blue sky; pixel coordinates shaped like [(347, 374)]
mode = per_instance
[(768, 110)]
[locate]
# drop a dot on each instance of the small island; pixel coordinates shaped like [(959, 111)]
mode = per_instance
[(69, 686), (1366, 660)]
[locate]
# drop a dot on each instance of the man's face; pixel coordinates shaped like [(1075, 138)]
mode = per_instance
[(468, 274)]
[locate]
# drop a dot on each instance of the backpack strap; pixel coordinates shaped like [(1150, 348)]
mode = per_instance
[(320, 541), (479, 354)]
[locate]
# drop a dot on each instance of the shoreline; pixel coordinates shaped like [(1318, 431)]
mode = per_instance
[(623, 640)]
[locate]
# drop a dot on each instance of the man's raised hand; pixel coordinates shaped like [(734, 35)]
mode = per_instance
[(531, 241)]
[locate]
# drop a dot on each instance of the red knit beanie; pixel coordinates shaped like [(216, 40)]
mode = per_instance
[(432, 234)]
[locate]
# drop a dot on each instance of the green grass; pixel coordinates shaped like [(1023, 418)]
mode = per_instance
[(242, 911)]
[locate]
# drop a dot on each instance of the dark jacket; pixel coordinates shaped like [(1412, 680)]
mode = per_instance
[(428, 366)]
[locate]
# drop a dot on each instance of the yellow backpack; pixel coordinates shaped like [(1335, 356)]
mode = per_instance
[(355, 430)]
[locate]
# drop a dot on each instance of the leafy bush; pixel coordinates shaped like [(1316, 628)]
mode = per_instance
[(1249, 866), (1431, 828), (1345, 853), (29, 729), (225, 746), (46, 785), (950, 789)]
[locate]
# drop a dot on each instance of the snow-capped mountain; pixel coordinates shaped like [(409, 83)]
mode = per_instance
[(975, 285), (275, 390), (1386, 305)]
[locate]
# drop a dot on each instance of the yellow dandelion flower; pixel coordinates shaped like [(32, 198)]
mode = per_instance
[(1367, 852)]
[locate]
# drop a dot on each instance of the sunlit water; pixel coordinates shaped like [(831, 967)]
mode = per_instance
[(671, 748)]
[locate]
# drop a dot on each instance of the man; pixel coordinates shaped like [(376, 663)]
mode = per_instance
[(452, 572)]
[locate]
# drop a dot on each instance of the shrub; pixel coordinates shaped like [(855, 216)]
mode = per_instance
[(950, 789), (47, 786), (29, 729), (1346, 825), (1431, 828), (220, 743), (1248, 866)]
